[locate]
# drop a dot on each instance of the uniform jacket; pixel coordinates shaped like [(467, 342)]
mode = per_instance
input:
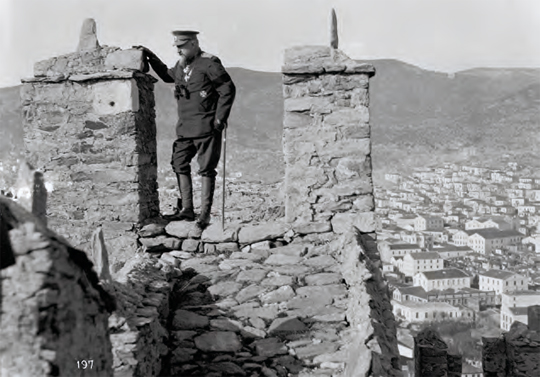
[(204, 94)]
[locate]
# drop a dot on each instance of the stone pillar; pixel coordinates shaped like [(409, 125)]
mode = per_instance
[(89, 125), (326, 139), (522, 351), (533, 318), (494, 357), (430, 355), (454, 363)]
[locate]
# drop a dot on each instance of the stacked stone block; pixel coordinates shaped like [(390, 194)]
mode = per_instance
[(517, 353), (53, 317), (89, 125), (431, 357), (257, 300), (494, 357), (326, 137), (139, 328)]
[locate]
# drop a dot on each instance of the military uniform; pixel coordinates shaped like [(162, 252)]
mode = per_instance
[(205, 93)]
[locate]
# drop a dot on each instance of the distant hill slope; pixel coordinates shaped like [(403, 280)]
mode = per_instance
[(419, 118)]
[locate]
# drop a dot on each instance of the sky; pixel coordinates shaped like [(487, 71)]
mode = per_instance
[(440, 35)]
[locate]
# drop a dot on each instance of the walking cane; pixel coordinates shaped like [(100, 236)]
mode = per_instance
[(224, 163)]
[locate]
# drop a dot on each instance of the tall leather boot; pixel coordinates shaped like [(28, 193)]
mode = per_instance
[(184, 208), (207, 198)]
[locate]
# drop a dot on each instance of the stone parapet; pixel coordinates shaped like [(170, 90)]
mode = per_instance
[(258, 299), (89, 126), (91, 61), (431, 357), (516, 353), (53, 311), (139, 332), (326, 135)]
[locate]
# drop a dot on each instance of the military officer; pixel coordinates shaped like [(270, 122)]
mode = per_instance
[(205, 94)]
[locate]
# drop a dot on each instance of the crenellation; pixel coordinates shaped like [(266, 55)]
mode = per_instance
[(303, 295), (90, 127)]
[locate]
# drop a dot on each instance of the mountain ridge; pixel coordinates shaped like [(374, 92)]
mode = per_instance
[(414, 113)]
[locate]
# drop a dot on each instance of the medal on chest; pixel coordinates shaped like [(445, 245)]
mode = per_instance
[(187, 73)]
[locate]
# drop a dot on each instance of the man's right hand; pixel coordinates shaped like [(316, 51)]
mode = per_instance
[(146, 50)]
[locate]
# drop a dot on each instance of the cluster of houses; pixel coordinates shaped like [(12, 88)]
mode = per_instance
[(459, 239)]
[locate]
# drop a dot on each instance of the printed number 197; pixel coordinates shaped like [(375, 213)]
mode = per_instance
[(85, 364)]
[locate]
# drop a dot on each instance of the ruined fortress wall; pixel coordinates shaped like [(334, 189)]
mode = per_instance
[(516, 353), (53, 313), (326, 138), (89, 125), (327, 148)]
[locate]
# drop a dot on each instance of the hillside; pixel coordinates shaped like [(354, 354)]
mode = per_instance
[(419, 117)]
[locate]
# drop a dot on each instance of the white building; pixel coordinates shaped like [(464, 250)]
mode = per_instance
[(419, 262), (428, 223), (486, 241), (442, 279), (450, 251), (502, 281), (515, 307), (431, 311), (397, 250)]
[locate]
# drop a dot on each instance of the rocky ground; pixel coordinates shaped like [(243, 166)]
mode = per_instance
[(266, 308), (267, 300)]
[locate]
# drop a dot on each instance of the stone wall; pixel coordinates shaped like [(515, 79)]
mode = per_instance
[(53, 310), (515, 354), (256, 300), (431, 357), (139, 328), (326, 138), (89, 126), (327, 149)]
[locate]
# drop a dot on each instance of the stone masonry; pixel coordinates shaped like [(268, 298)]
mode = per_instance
[(326, 138), (53, 311), (431, 357), (272, 299), (89, 126), (514, 354), (303, 296)]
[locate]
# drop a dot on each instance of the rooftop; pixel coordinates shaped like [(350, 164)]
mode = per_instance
[(426, 306), (449, 273), (498, 274), (519, 310), (494, 233), (413, 291), (430, 217), (523, 293), (425, 256), (404, 246), (449, 247)]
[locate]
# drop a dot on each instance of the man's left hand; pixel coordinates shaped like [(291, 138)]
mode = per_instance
[(219, 125)]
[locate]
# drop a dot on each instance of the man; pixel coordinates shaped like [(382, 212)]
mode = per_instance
[(205, 93)]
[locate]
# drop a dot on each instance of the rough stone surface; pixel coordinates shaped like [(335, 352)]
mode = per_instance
[(326, 135), (48, 298), (182, 229), (307, 228), (282, 259), (256, 233), (213, 233), (125, 59), (218, 341), (92, 131), (88, 38), (301, 298), (185, 320)]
